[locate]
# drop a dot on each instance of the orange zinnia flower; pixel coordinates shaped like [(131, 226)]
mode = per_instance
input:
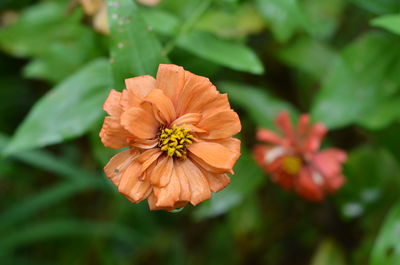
[(178, 129), (295, 162)]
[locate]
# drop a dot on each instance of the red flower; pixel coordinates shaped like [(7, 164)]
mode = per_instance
[(294, 161)]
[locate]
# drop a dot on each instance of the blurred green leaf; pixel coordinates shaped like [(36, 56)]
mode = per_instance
[(233, 55), (68, 228), (134, 49), (237, 22), (261, 106), (379, 7), (47, 198), (309, 55), (388, 22), (372, 181), (284, 16), (160, 21), (57, 41), (67, 111), (328, 253), (360, 79), (248, 177), (386, 249)]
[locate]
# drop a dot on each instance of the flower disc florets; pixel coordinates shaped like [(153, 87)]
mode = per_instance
[(174, 141)]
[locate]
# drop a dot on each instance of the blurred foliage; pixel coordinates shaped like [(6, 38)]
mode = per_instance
[(337, 59)]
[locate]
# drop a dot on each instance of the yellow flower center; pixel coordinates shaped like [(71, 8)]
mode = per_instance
[(174, 141), (291, 164)]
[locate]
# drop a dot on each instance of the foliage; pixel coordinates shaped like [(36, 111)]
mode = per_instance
[(339, 60)]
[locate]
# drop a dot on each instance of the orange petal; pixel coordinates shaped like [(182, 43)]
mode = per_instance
[(112, 104), (144, 144), (163, 104), (231, 143), (221, 125), (217, 181), (129, 100), (161, 174), (188, 118), (168, 195), (140, 85), (146, 162), (197, 92), (185, 194), (170, 79), (112, 134), (140, 122), (130, 179), (118, 164), (219, 103), (217, 156), (199, 187)]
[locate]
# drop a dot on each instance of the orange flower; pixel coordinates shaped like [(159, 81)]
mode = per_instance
[(295, 162), (178, 129)]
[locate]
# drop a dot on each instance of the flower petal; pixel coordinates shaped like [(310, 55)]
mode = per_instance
[(221, 125), (143, 143), (199, 187), (140, 85), (112, 104), (217, 181), (161, 174), (112, 134), (170, 79), (118, 164), (140, 122), (284, 123), (231, 143), (316, 134), (167, 196), (307, 187), (303, 124), (216, 156), (185, 194), (163, 104), (269, 137), (188, 118)]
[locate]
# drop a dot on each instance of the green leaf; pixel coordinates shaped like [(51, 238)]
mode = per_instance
[(388, 22), (248, 177), (53, 229), (233, 55), (67, 111), (363, 76), (134, 49), (379, 7), (328, 253), (284, 16), (58, 43), (386, 249), (160, 21), (261, 106), (309, 55)]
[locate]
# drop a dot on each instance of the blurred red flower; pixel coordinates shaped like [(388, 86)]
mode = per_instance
[(294, 160)]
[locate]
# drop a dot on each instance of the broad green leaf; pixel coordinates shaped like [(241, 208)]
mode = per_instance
[(372, 181), (59, 43), (363, 76), (388, 22), (379, 7), (324, 16), (284, 16), (384, 114), (67, 111), (55, 229), (160, 21), (309, 55), (47, 198), (386, 249), (233, 55), (134, 49), (248, 177), (261, 106), (231, 23), (328, 253)]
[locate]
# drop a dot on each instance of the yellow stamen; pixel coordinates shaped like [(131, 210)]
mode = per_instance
[(175, 140), (291, 164)]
